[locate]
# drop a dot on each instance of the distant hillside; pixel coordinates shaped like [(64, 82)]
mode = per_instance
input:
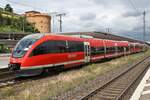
[(12, 22)]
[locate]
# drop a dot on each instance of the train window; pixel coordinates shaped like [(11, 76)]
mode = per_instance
[(110, 49), (132, 46), (121, 49), (100, 50), (50, 47), (93, 50), (97, 50), (127, 48), (24, 44), (75, 46), (107, 50)]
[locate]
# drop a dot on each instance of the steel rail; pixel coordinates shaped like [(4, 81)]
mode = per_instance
[(92, 93), (4, 70), (7, 76), (128, 87)]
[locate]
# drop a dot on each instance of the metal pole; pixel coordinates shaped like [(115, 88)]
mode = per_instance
[(23, 24), (60, 23), (53, 24), (108, 29), (144, 13), (53, 14)]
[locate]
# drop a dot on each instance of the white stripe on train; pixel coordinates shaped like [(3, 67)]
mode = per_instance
[(50, 65)]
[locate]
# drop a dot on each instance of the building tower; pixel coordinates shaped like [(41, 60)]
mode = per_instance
[(41, 21)]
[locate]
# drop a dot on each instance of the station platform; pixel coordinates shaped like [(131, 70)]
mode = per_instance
[(142, 92), (5, 54), (4, 60)]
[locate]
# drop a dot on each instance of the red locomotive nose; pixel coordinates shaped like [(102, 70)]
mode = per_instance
[(15, 60), (14, 64)]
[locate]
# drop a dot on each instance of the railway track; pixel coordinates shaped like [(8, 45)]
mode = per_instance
[(4, 70), (116, 88), (7, 78)]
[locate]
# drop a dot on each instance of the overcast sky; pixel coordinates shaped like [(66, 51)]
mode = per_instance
[(123, 17)]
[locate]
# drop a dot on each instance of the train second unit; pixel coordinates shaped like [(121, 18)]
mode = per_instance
[(37, 52)]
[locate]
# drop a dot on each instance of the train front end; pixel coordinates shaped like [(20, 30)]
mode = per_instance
[(21, 51)]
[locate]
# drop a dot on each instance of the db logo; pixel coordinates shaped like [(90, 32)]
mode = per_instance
[(72, 55)]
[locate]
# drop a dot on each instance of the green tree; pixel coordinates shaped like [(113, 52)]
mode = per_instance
[(8, 8), (1, 19), (1, 8), (30, 28), (16, 24)]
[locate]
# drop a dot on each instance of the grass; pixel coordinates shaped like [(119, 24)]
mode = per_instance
[(46, 88), (8, 28)]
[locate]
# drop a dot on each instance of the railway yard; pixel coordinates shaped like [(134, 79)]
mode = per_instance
[(113, 79), (74, 50)]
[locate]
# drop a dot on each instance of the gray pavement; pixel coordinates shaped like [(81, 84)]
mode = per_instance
[(5, 54), (142, 92)]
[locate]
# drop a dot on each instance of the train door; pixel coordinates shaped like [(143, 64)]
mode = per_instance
[(104, 44), (124, 50), (87, 52), (116, 49)]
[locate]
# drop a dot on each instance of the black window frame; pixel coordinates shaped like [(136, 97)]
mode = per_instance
[(97, 50), (110, 49), (49, 47), (75, 46)]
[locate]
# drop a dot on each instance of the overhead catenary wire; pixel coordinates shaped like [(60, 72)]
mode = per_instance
[(144, 23), (133, 5)]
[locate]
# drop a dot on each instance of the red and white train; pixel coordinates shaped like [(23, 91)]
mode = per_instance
[(43, 51)]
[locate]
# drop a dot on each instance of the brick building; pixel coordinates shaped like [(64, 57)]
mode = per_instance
[(42, 21)]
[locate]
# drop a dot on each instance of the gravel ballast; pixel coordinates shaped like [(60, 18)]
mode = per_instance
[(68, 83)]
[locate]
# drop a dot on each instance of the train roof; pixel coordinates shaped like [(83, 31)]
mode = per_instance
[(54, 35), (103, 35)]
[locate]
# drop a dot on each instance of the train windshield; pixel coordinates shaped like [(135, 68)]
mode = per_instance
[(24, 44)]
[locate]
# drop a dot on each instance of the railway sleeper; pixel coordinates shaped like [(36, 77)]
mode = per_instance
[(104, 97), (118, 87), (108, 94), (120, 84), (113, 90)]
